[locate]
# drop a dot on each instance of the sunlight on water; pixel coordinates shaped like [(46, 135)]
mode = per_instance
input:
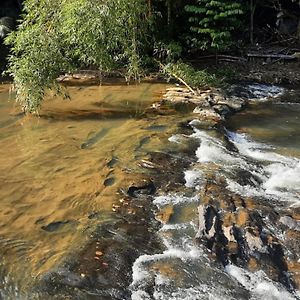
[(59, 169)]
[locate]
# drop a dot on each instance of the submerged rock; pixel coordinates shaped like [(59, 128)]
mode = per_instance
[(95, 138), (54, 226), (137, 191)]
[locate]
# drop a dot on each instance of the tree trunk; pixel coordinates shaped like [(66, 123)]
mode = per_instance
[(169, 17), (252, 12), (149, 8), (298, 32)]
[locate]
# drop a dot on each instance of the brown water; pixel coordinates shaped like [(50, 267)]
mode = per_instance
[(59, 169)]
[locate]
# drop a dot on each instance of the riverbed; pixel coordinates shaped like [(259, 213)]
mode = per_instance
[(65, 172)]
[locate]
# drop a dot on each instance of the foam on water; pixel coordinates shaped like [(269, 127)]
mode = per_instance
[(140, 272), (264, 91), (280, 174), (212, 150), (164, 288), (203, 291), (177, 249), (193, 178), (174, 200), (274, 176), (176, 138), (180, 226), (257, 91), (259, 284)]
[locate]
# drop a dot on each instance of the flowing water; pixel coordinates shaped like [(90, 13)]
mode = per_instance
[(61, 169), (266, 139)]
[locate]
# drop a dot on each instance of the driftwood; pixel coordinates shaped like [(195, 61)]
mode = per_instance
[(224, 58), (178, 78), (274, 56)]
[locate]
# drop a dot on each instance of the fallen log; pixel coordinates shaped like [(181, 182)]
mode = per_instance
[(274, 56)]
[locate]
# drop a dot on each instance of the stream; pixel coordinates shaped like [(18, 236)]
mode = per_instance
[(64, 174)]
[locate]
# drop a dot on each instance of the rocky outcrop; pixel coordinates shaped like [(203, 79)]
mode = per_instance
[(209, 105), (248, 233)]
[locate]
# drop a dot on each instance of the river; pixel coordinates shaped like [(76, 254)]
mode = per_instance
[(63, 172)]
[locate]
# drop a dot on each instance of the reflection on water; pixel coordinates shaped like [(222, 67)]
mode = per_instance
[(61, 169)]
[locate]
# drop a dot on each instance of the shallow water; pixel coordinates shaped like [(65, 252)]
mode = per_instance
[(60, 169), (60, 174), (274, 123)]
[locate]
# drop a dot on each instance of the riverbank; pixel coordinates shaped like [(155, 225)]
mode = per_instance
[(260, 71)]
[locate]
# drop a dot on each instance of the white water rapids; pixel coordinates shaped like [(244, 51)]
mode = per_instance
[(189, 272)]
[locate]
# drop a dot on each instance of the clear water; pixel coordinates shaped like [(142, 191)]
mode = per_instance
[(65, 165), (58, 169)]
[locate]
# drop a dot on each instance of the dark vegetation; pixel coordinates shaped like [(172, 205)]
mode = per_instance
[(47, 38)]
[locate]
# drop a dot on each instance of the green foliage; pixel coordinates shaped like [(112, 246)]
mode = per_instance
[(194, 78), (167, 52), (59, 36), (213, 22)]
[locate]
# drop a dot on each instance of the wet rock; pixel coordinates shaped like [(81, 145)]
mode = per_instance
[(290, 222), (243, 249), (277, 256), (147, 164), (145, 140), (112, 162), (94, 215), (223, 110), (109, 181), (234, 103), (208, 114), (294, 267), (55, 226), (245, 177), (210, 105), (237, 232), (137, 191)]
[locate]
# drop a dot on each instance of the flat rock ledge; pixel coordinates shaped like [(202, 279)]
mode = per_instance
[(211, 105)]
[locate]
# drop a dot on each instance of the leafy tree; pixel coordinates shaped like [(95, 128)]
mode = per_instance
[(213, 22), (58, 36)]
